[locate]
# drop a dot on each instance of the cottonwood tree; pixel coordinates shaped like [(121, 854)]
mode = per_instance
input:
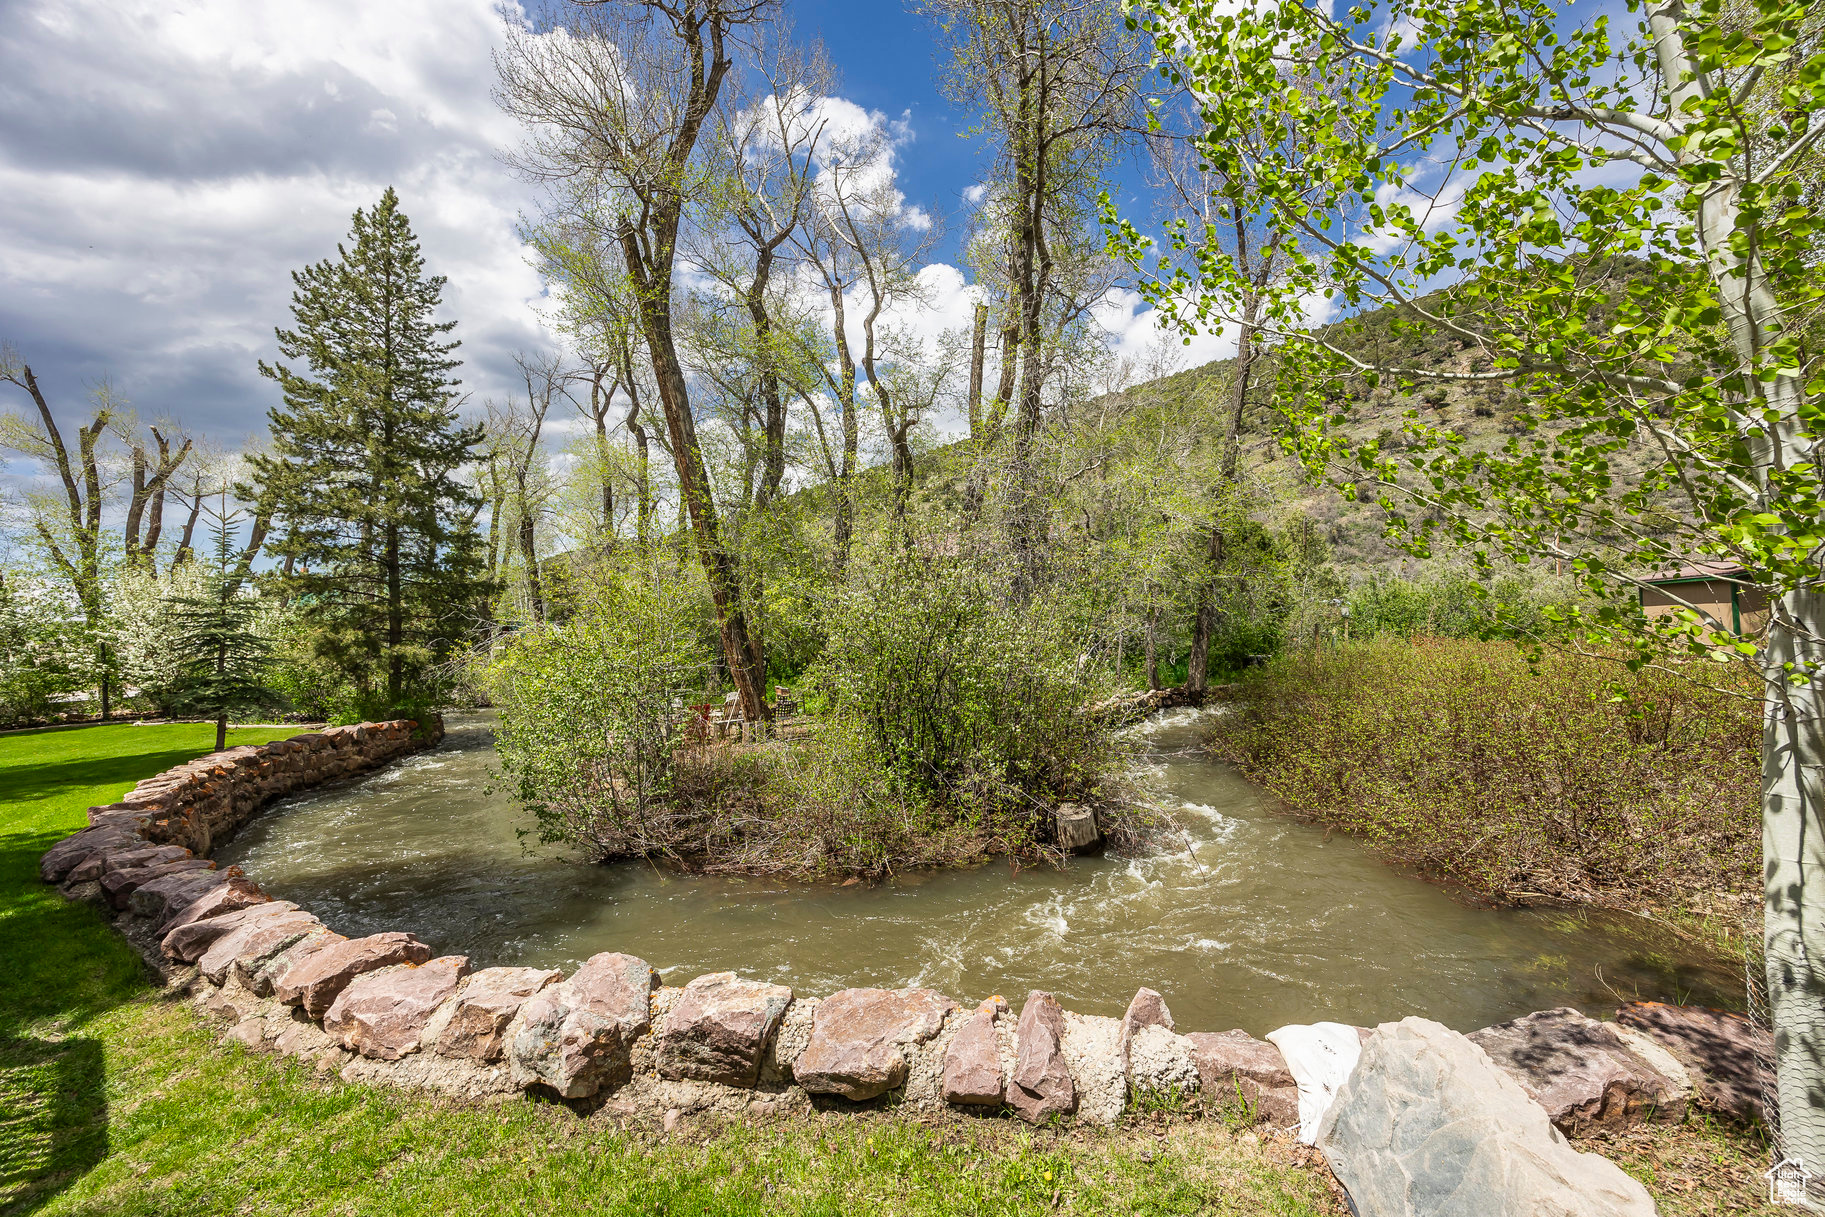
[(1055, 81), (1621, 234), (519, 481), (375, 527), (614, 109), (867, 250)]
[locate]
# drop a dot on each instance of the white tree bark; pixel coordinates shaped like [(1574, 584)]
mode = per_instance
[(1793, 662)]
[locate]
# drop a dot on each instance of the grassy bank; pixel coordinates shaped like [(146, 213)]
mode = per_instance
[(1459, 759), (114, 1098)]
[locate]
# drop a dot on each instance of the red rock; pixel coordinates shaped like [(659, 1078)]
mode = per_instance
[(1580, 1071), (119, 885), (972, 1062), (315, 982), (128, 854), (186, 936), (859, 1039), (1041, 1086), (382, 1014), (1236, 1068), (719, 1029), (62, 857), (477, 1028), (1730, 1058), (254, 942), (158, 900), (577, 1037), (264, 976)]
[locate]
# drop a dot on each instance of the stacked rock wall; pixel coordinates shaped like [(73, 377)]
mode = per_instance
[(386, 1008)]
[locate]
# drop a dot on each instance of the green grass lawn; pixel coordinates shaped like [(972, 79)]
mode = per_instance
[(115, 1097)]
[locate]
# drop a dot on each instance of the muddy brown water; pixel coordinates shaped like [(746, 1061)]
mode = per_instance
[(1261, 921)]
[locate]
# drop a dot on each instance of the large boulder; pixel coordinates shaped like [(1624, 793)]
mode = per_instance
[(119, 885), (718, 1029), (577, 1037), (161, 899), (314, 983), (1581, 1072), (972, 1060), (1041, 1086), (254, 942), (860, 1038), (63, 857), (383, 1014), (1236, 1068), (1428, 1126), (1730, 1059), (188, 940), (477, 1029), (261, 977)]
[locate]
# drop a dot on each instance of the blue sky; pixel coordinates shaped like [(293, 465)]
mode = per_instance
[(165, 166)]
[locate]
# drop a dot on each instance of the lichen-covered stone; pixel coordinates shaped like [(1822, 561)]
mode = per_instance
[(478, 1024), (577, 1037), (382, 1014), (719, 1029), (1427, 1126), (860, 1037), (1041, 1086), (314, 982)]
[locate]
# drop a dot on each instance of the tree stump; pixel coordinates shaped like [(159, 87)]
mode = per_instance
[(1076, 827)]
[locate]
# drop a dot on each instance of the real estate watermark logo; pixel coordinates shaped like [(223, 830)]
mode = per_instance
[(1788, 1181)]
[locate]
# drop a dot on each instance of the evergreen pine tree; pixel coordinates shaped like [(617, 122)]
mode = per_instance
[(376, 531), (222, 659)]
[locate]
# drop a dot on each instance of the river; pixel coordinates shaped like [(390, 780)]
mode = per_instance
[(1258, 922)]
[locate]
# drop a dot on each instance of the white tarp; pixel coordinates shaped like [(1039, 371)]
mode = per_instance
[(1320, 1058)]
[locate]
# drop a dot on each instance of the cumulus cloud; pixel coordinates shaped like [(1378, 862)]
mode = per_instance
[(166, 168)]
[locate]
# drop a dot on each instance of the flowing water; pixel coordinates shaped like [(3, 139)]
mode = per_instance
[(1258, 922)]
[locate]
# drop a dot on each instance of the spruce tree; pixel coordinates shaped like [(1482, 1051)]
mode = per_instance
[(222, 658), (376, 531)]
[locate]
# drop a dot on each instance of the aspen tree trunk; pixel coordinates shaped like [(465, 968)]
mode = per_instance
[(1793, 732)]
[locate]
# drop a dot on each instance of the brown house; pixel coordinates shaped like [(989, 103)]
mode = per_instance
[(1720, 589)]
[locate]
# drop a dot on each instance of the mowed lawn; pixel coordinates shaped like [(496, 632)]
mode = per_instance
[(116, 1099)]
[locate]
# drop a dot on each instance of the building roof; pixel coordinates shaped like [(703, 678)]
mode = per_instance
[(1703, 569)]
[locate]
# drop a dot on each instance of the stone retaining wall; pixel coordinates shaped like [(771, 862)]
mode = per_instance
[(384, 1008)]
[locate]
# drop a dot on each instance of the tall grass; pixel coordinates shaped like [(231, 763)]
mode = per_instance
[(1574, 780)]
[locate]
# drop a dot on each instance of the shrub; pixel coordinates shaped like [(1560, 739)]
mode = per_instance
[(970, 701), (1576, 779), (587, 726)]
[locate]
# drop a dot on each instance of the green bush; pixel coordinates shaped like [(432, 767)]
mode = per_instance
[(971, 702), (1575, 779), (587, 723)]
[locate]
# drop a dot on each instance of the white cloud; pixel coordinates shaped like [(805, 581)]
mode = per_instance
[(165, 169)]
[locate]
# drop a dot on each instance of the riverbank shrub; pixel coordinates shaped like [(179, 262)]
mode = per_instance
[(587, 721), (1574, 780), (970, 701)]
